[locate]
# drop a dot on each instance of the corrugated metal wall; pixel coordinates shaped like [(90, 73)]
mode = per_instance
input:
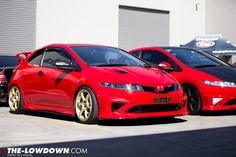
[(142, 27), (17, 26)]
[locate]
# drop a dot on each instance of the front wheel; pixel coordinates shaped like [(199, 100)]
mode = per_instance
[(15, 100), (86, 106), (194, 100)]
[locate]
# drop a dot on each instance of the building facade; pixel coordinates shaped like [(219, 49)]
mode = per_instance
[(29, 24)]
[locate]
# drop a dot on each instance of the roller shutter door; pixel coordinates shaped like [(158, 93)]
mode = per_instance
[(142, 27), (17, 25)]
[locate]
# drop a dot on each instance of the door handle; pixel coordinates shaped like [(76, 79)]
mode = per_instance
[(40, 73)]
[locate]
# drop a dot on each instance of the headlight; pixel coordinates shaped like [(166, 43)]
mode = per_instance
[(176, 86), (131, 87), (220, 83)]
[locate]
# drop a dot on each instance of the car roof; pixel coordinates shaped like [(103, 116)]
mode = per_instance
[(175, 47), (83, 45), (74, 44)]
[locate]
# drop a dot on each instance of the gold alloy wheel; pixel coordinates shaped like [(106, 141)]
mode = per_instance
[(14, 98), (83, 105)]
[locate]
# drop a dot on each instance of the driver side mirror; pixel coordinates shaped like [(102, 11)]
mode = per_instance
[(166, 66)]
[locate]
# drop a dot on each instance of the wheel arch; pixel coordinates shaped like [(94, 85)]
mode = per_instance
[(198, 91)]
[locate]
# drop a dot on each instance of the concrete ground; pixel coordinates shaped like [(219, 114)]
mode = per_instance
[(205, 135)]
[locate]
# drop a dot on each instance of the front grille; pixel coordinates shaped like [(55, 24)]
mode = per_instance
[(154, 108), (149, 89), (167, 89), (231, 102)]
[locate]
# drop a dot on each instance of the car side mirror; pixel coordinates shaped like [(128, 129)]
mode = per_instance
[(63, 65), (166, 66)]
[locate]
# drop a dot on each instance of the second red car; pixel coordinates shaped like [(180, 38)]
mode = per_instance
[(209, 83)]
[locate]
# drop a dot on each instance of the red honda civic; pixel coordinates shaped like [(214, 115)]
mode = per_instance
[(209, 83), (93, 82)]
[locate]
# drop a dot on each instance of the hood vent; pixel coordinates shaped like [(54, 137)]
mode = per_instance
[(121, 72)]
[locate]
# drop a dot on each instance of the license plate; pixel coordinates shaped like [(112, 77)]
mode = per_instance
[(162, 99)]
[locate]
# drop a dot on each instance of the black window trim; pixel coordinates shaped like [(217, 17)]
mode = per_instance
[(29, 60)]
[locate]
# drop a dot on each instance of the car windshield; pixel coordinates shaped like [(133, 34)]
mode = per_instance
[(8, 61), (106, 56), (196, 59)]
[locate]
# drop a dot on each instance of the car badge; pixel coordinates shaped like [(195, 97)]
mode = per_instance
[(160, 88)]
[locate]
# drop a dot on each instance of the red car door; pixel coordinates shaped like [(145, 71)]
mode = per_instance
[(60, 83), (34, 90)]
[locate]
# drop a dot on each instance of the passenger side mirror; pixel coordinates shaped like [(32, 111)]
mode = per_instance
[(166, 66), (63, 65)]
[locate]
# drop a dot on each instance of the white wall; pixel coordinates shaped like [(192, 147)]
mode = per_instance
[(76, 21), (221, 18), (90, 21)]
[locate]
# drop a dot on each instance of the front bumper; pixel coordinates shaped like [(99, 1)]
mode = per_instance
[(121, 104), (3, 91), (219, 98)]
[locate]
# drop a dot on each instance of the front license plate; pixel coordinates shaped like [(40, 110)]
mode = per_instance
[(162, 99)]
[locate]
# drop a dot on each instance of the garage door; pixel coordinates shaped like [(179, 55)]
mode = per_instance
[(142, 27), (17, 25)]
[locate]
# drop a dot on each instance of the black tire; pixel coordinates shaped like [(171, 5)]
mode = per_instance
[(86, 106), (194, 100), (15, 100)]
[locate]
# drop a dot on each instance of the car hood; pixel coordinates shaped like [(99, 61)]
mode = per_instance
[(222, 72), (132, 75)]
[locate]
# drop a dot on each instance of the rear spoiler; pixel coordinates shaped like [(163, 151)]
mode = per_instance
[(22, 55)]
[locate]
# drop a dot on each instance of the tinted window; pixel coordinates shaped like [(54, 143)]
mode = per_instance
[(55, 55), (155, 57), (8, 61), (195, 58), (106, 56), (136, 53), (36, 58)]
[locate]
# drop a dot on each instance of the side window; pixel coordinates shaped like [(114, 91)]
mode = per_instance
[(55, 55), (155, 57), (136, 53), (36, 58)]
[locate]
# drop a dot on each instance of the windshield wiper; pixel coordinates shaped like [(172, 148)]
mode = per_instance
[(110, 65), (147, 66), (116, 65), (204, 66)]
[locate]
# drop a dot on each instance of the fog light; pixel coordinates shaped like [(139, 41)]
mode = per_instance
[(216, 100), (116, 106)]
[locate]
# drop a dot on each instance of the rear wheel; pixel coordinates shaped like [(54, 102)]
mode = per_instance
[(86, 106), (15, 101), (194, 99)]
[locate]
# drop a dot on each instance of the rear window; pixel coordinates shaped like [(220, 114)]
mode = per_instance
[(8, 61)]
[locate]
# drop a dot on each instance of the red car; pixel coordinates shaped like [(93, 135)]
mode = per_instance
[(93, 82), (209, 83)]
